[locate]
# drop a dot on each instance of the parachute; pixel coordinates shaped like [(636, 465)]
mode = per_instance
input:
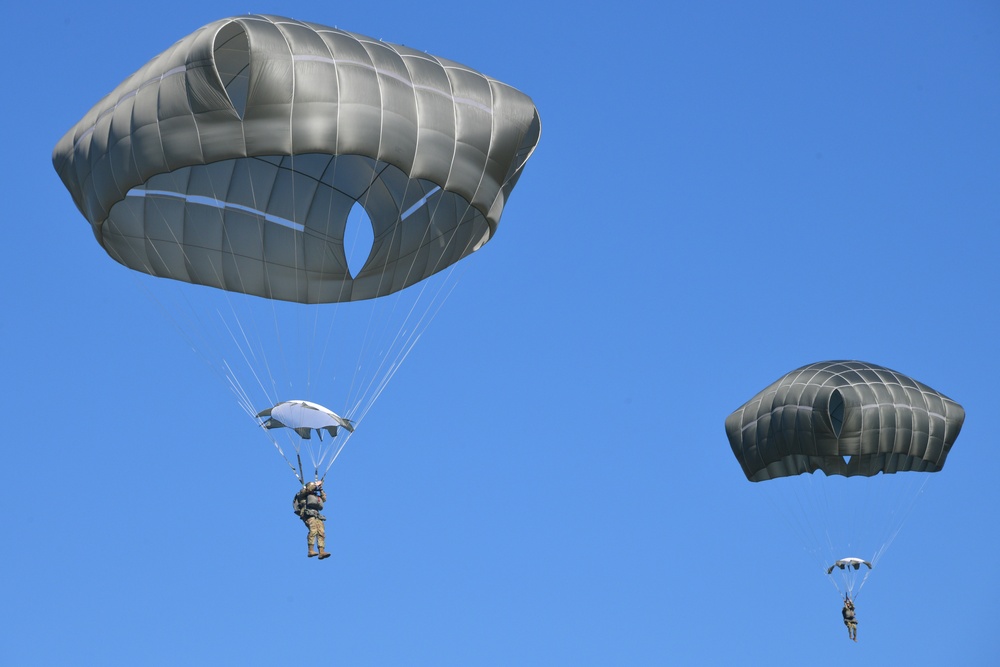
[(862, 426), (304, 417), (238, 158), (233, 159), (845, 563), (843, 418), (849, 583)]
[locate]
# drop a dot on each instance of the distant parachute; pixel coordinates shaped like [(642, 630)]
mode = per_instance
[(236, 158), (850, 420), (843, 418)]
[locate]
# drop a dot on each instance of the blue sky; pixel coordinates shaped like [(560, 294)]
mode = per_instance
[(723, 192)]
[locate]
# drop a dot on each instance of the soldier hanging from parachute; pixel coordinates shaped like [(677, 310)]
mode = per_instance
[(844, 419), (235, 158), (304, 418), (850, 619), (307, 504)]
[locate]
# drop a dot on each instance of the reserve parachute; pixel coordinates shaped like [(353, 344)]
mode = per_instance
[(845, 563), (304, 417), (872, 432), (241, 157)]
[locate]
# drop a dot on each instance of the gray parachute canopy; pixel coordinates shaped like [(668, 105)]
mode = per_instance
[(843, 418), (233, 159), (304, 417)]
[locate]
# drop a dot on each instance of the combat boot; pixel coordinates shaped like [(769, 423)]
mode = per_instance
[(312, 553), (323, 553)]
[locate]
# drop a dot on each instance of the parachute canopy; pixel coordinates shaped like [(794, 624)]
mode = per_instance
[(304, 417), (845, 563), (843, 418), (233, 159)]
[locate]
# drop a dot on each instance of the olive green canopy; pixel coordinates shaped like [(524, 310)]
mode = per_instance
[(843, 418), (233, 159)]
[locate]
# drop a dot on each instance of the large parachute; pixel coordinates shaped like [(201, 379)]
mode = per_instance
[(234, 158), (238, 159), (851, 421)]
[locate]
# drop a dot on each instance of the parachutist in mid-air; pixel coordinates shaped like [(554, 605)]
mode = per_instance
[(850, 620), (306, 505)]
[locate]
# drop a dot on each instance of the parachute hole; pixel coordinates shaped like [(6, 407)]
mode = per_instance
[(836, 411), (359, 238), (232, 61)]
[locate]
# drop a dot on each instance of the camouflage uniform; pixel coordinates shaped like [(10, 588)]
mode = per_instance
[(850, 620), (306, 505)]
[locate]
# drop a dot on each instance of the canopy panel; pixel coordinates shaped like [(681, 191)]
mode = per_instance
[(233, 159), (843, 418)]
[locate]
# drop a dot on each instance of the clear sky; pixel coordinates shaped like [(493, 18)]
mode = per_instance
[(723, 192)]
